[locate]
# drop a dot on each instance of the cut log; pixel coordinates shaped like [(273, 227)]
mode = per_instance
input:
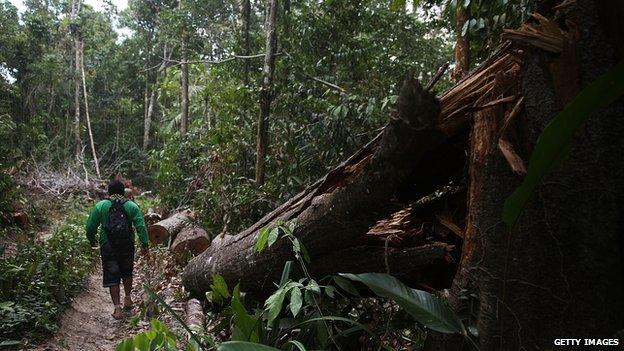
[(163, 230), (191, 239), (194, 315), (153, 216), (334, 213)]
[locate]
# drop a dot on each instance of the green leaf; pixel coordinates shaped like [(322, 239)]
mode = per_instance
[(329, 290), (426, 308), (152, 294), (273, 305), (313, 286), (296, 246), (397, 5), (291, 226), (219, 286), (244, 346), (126, 345), (273, 235), (141, 342), (346, 285), (245, 326), (296, 301), (285, 273), (263, 236), (556, 137)]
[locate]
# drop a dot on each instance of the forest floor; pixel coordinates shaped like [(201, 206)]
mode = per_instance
[(87, 324)]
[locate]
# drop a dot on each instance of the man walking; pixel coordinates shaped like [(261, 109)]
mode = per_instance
[(117, 215)]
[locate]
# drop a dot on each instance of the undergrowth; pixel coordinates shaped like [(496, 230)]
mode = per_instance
[(38, 282)]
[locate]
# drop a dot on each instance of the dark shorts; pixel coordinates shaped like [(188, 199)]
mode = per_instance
[(115, 265)]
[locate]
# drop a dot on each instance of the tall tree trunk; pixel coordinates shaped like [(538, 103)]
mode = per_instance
[(86, 104), (147, 94), (184, 96), (462, 45), (560, 270), (247, 37), (75, 32), (148, 117), (266, 90)]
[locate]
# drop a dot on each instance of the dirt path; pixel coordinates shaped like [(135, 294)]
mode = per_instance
[(87, 324)]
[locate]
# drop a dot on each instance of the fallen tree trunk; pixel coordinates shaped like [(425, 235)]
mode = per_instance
[(377, 259), (163, 230), (191, 239), (334, 213)]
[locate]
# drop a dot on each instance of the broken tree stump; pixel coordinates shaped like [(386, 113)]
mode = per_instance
[(169, 227)]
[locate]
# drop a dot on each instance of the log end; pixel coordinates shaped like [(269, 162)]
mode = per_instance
[(192, 239), (157, 234)]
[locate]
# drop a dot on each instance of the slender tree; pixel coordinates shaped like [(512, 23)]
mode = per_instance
[(247, 37), (266, 90), (149, 96), (184, 92), (462, 45), (86, 106), (75, 10)]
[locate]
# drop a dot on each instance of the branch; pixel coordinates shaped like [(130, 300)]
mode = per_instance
[(211, 62), (331, 85)]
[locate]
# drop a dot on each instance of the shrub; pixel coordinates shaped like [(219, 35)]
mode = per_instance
[(37, 283)]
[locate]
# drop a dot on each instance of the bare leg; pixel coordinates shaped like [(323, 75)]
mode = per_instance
[(127, 283), (114, 292)]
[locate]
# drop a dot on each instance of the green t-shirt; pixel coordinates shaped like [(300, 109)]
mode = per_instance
[(98, 217)]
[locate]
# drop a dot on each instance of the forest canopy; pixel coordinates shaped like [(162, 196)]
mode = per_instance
[(336, 71)]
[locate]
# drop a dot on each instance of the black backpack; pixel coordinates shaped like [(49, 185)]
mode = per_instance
[(119, 228)]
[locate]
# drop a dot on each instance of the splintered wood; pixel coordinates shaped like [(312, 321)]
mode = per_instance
[(545, 35), (489, 98)]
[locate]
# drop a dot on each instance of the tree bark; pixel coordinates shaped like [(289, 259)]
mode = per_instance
[(462, 45), (184, 97), (335, 212), (365, 259), (266, 90), (149, 96), (170, 227), (75, 32), (194, 316), (184, 73), (86, 104), (246, 11), (560, 270)]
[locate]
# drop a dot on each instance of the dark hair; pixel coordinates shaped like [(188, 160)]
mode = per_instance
[(116, 187)]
